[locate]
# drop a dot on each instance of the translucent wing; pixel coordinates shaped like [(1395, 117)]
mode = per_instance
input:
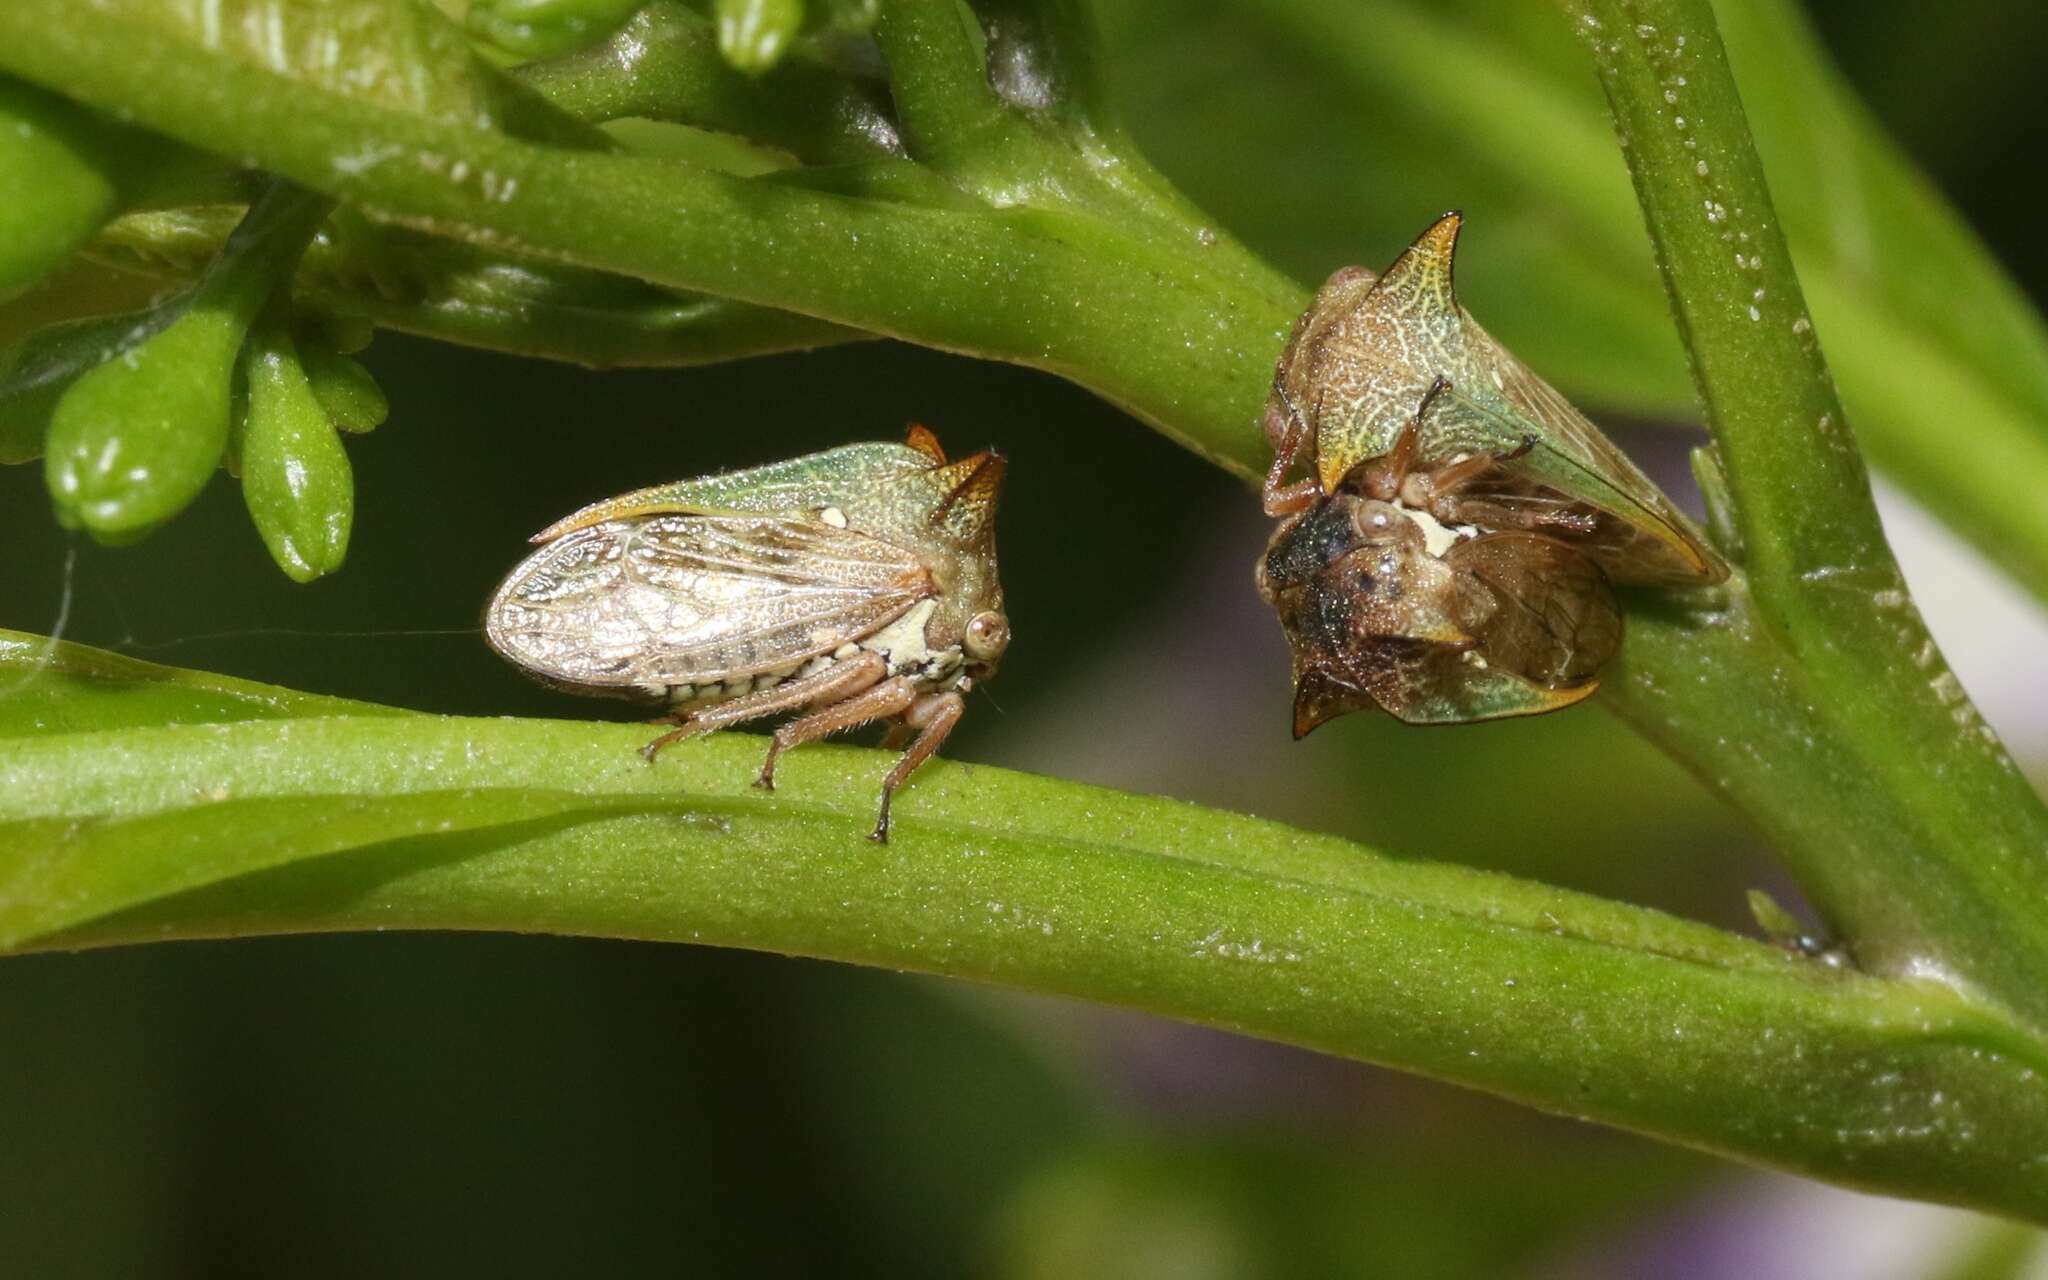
[(1544, 622), (1507, 624), (1643, 539), (686, 599), (1540, 608)]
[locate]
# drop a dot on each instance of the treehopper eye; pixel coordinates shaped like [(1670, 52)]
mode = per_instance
[(853, 585)]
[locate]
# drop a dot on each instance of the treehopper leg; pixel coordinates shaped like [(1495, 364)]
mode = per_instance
[(891, 697), (934, 716), (838, 681)]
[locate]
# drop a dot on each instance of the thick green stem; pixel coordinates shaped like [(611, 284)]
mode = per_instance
[(1944, 866), (1567, 1002), (1790, 455)]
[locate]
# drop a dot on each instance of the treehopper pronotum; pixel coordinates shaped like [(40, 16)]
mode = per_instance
[(854, 585)]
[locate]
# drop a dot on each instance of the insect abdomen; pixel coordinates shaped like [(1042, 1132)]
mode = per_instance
[(716, 691)]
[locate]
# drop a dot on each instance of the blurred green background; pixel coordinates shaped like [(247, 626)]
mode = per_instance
[(511, 1106)]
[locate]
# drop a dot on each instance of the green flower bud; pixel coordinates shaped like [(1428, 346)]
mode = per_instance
[(754, 34), (296, 478), (58, 168), (350, 395), (136, 439), (35, 371)]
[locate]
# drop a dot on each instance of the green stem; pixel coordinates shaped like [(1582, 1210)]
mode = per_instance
[(665, 65), (938, 77), (1790, 455), (1183, 339), (457, 292), (1563, 1001), (1933, 855), (462, 293)]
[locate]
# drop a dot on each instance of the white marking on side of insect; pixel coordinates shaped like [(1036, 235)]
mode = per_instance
[(903, 642), (1436, 538), (834, 517), (944, 663)]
